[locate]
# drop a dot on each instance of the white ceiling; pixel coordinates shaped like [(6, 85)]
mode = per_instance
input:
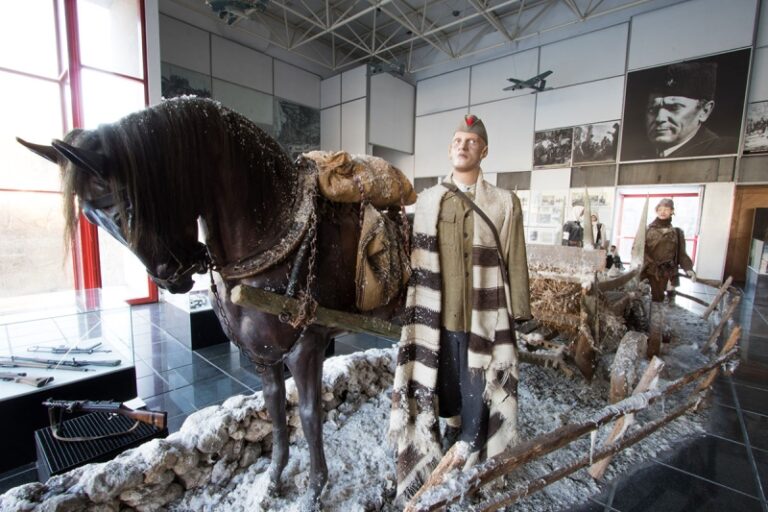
[(400, 36)]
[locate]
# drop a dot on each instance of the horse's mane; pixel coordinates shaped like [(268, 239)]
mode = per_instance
[(165, 160)]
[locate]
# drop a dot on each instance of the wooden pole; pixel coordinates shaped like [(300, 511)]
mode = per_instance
[(731, 342), (722, 291), (527, 488), (631, 349), (647, 381), (716, 333), (543, 444), (692, 298), (249, 296)]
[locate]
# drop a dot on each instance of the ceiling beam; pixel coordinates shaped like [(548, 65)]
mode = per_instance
[(491, 18)]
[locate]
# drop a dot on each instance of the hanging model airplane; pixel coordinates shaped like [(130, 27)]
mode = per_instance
[(537, 83)]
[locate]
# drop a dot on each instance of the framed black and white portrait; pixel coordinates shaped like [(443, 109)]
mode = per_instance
[(685, 109), (552, 148), (595, 143)]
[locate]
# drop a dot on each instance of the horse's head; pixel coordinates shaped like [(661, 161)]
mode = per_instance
[(113, 201)]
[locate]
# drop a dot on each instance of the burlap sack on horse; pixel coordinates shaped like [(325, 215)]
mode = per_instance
[(383, 267)]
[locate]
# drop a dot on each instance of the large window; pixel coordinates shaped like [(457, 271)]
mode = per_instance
[(687, 216), (72, 63)]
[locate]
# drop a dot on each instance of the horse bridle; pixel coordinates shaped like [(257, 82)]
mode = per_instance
[(96, 212)]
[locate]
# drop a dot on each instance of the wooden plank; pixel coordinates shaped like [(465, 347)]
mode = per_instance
[(720, 293)]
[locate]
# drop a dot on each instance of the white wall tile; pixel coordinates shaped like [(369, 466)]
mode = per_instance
[(296, 85), (391, 113), (593, 56), (580, 104), (236, 63), (330, 129), (690, 29), (433, 138), (490, 78), (330, 91), (184, 45), (509, 124), (354, 83), (353, 122), (442, 92)]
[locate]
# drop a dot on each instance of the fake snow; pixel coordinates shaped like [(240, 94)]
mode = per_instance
[(361, 463)]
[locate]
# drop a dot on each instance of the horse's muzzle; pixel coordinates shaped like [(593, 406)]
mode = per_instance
[(180, 281)]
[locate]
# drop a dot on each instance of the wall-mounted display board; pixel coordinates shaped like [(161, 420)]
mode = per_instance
[(595, 143), (756, 136), (685, 109), (552, 148)]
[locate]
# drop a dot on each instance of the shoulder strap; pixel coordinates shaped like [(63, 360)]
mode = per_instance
[(502, 262)]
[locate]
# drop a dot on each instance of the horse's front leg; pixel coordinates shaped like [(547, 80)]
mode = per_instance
[(306, 365), (273, 382)]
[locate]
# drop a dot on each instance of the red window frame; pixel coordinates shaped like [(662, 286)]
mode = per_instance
[(85, 250)]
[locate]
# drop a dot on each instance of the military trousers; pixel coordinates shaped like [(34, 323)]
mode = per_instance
[(460, 390)]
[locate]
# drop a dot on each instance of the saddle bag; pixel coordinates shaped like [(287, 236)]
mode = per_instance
[(383, 268), (345, 178)]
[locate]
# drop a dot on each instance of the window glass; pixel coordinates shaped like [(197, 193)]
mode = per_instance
[(110, 35), (28, 37), (34, 257), (107, 98), (35, 116)]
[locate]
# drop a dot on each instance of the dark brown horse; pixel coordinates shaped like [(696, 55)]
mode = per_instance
[(153, 177)]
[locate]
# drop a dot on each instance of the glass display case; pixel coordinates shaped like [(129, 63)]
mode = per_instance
[(68, 346), (190, 318)]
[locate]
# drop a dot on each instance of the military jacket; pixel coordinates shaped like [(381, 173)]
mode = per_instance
[(665, 251)]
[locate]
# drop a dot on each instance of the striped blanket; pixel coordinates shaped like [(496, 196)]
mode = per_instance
[(413, 422)]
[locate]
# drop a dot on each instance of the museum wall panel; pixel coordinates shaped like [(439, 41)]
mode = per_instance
[(227, 58), (330, 129), (433, 138), (488, 80), (392, 106), (330, 91), (580, 104), (185, 45), (256, 106), (510, 133), (354, 83), (715, 226), (702, 170), (297, 85), (353, 122), (514, 180), (600, 54), (400, 159), (758, 88), (690, 29), (593, 176), (762, 28), (444, 92)]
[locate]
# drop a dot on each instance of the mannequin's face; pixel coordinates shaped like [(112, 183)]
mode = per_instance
[(466, 152), (664, 212)]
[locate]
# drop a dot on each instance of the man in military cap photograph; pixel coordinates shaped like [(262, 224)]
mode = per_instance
[(686, 109)]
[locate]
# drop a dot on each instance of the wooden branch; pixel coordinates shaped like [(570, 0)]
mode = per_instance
[(647, 381), (454, 458), (527, 488), (561, 321), (731, 342), (692, 298), (273, 303), (723, 320), (655, 329), (631, 349), (618, 282), (722, 291), (543, 444)]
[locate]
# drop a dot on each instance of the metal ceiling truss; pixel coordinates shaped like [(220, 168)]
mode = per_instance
[(410, 34)]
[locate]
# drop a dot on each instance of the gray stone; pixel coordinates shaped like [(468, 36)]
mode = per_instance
[(196, 477), (251, 452), (64, 503), (106, 481), (257, 430), (222, 472), (186, 461)]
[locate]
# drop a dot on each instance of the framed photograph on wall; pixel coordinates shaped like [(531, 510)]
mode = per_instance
[(685, 109), (756, 136), (595, 143), (552, 148), (178, 81)]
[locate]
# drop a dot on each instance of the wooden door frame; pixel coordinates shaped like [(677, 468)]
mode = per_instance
[(746, 199)]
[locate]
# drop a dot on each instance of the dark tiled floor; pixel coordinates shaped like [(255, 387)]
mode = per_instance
[(726, 470)]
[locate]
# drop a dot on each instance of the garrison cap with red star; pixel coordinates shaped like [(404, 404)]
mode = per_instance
[(473, 124)]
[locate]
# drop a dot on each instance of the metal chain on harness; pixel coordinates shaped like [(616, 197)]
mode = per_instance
[(307, 303)]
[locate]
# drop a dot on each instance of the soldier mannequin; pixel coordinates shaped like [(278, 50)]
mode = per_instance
[(457, 355), (664, 253)]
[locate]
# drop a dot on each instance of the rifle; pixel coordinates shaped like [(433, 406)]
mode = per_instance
[(57, 407), (56, 364), (64, 349), (22, 378)]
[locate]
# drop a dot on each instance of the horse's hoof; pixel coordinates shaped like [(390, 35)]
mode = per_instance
[(273, 489)]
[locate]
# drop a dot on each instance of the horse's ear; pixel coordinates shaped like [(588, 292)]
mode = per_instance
[(47, 152), (90, 161)]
